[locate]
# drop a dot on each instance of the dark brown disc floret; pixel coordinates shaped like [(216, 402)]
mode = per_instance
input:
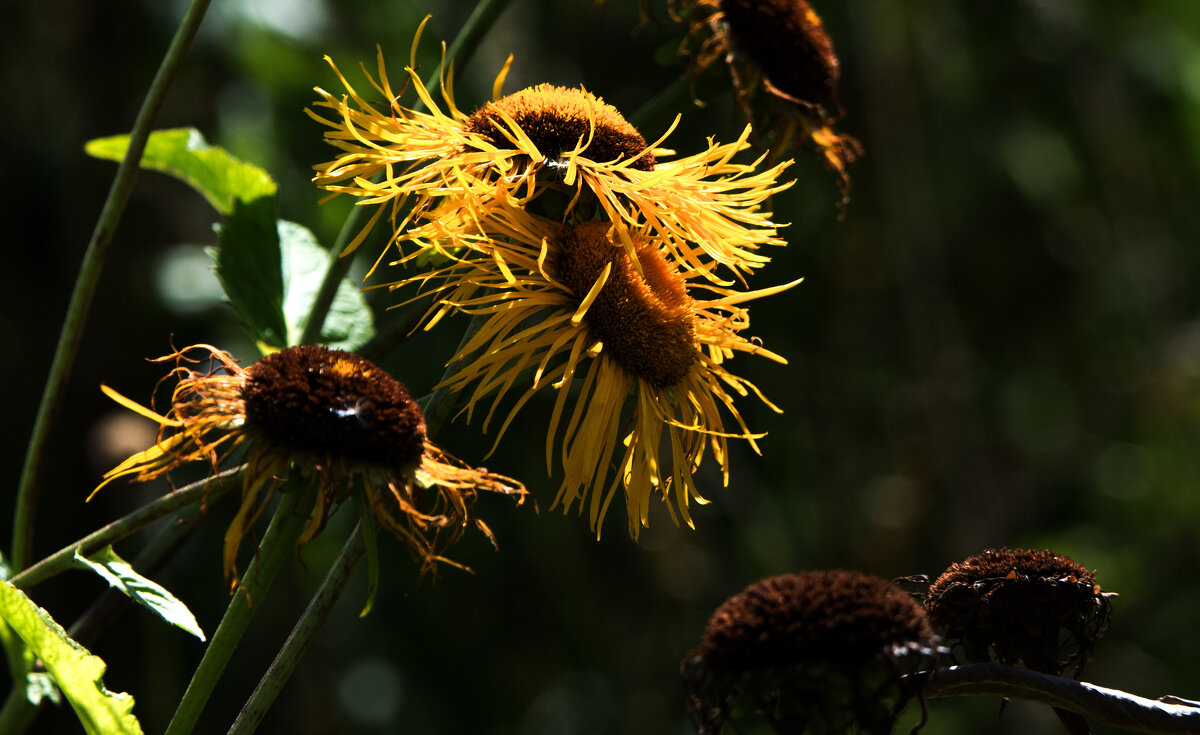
[(788, 41), (645, 320), (835, 617), (334, 404), (558, 120), (819, 651), (1034, 607)]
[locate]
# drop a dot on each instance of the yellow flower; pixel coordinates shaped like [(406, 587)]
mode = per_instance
[(644, 344), (441, 174), (780, 48), (321, 416)]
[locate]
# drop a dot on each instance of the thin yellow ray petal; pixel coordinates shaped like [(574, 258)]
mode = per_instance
[(138, 408), (593, 292)]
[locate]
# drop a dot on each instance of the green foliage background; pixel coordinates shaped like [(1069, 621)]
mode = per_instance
[(999, 345)]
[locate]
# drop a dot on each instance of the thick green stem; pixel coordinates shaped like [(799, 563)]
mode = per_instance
[(301, 636), (85, 284), (61, 560), (279, 541)]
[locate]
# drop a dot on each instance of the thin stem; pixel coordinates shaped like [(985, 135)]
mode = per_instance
[(18, 712), (390, 336), (339, 266), (61, 560), (664, 104), (478, 24), (109, 606), (460, 52), (1107, 706), (301, 636), (436, 407), (280, 539), (85, 284)]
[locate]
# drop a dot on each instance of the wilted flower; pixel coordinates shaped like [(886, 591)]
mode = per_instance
[(442, 174), (314, 415), (822, 649), (784, 71), (644, 344), (1038, 608)]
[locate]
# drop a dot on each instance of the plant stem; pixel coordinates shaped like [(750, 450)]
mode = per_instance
[(1099, 704), (478, 24), (436, 407), (301, 636), (85, 284), (280, 539), (153, 556), (665, 104), (61, 560), (18, 712), (337, 269)]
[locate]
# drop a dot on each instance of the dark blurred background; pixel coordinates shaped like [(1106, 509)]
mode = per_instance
[(999, 345)]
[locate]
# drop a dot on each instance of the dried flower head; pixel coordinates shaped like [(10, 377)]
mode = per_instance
[(320, 416), (818, 649), (783, 67), (639, 345), (1038, 608), (442, 174)]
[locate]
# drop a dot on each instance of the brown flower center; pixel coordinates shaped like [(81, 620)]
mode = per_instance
[(789, 42), (838, 618), (645, 320), (1034, 606), (557, 120), (331, 403)]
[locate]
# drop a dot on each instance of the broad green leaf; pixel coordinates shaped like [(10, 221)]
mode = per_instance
[(349, 323), (247, 256), (38, 684), (184, 154), (78, 673), (118, 573), (249, 268)]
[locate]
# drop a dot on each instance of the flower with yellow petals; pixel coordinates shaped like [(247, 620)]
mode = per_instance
[(641, 345), (780, 48), (318, 416), (441, 174)]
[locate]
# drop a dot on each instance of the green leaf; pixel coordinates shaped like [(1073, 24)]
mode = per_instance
[(38, 684), (184, 154), (349, 323), (247, 255), (78, 673), (118, 573), (249, 268)]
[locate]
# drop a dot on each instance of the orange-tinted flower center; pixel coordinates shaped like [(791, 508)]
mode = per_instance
[(332, 403), (645, 320), (557, 120), (789, 42)]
